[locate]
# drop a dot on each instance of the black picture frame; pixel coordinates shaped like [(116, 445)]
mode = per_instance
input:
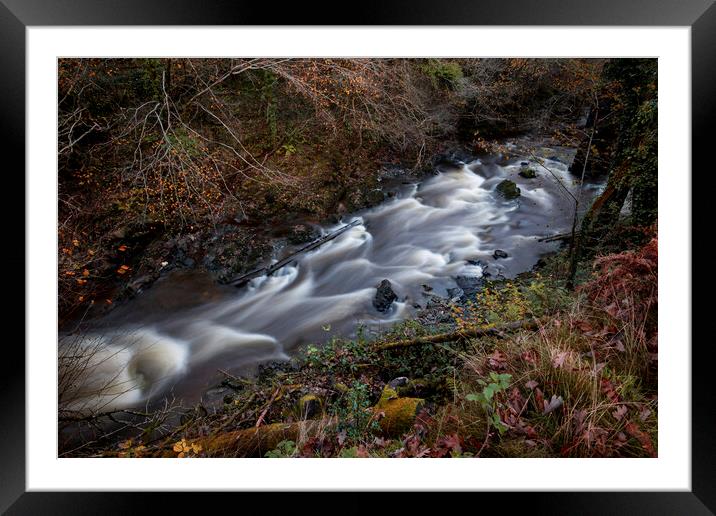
[(17, 15)]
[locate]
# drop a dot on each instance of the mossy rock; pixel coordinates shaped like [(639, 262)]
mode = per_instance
[(309, 406), (508, 189), (528, 173), (419, 387), (341, 387), (399, 413)]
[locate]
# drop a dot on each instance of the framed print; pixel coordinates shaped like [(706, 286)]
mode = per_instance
[(405, 236)]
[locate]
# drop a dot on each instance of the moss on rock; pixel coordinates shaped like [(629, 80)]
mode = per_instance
[(508, 189), (398, 413), (309, 406)]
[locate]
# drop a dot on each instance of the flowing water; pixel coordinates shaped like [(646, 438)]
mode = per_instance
[(427, 234)]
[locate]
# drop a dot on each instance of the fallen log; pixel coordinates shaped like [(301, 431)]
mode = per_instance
[(270, 269), (458, 335), (395, 415)]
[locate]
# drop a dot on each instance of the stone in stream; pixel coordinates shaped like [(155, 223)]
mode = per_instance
[(528, 173), (499, 253), (384, 296), (455, 294), (508, 189), (482, 264)]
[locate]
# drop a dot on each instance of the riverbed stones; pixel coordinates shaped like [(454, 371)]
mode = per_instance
[(455, 294), (508, 189), (482, 264), (138, 284), (499, 253), (528, 173), (470, 285), (384, 296)]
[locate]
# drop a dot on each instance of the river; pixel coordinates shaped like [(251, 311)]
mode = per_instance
[(176, 336)]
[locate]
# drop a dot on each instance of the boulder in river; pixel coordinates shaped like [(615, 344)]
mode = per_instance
[(499, 253), (482, 264), (384, 296), (508, 189), (528, 173)]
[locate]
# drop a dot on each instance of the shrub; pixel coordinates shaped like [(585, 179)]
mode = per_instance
[(442, 73)]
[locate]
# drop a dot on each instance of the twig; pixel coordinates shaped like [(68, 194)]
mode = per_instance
[(268, 406), (267, 271)]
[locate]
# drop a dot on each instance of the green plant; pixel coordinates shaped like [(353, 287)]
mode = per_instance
[(442, 73), (487, 398), (284, 449), (355, 420), (288, 149)]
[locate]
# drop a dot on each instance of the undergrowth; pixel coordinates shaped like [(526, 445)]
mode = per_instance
[(579, 383)]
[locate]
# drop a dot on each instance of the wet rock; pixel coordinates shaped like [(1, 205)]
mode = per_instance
[(470, 285), (482, 264), (136, 285), (400, 381), (426, 288), (374, 197), (212, 396), (508, 189), (528, 173), (455, 293), (434, 301), (384, 296), (499, 253), (541, 264), (447, 161), (524, 163)]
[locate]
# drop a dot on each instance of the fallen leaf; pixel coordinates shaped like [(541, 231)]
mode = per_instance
[(553, 404), (558, 360), (620, 412)]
